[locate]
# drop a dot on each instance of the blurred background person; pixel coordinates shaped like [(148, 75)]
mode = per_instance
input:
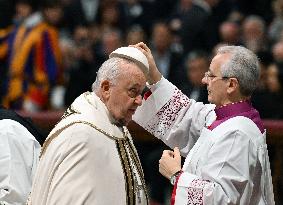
[(229, 33), (199, 27), (111, 16), (139, 13), (275, 87), (262, 95), (276, 25), (80, 12), (167, 58), (84, 65), (254, 34), (135, 34), (13, 14), (196, 64), (34, 62), (277, 51)]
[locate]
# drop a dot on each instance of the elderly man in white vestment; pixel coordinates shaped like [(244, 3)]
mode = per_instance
[(223, 142), (89, 157), (19, 155)]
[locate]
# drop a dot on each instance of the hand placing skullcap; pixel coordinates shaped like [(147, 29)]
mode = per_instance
[(133, 54)]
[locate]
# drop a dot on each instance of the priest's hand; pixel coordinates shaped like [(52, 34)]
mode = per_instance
[(170, 162), (154, 75)]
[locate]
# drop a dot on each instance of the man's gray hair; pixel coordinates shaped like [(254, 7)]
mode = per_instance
[(109, 70), (243, 65)]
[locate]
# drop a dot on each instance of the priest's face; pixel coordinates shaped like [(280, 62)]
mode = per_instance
[(125, 94), (217, 84)]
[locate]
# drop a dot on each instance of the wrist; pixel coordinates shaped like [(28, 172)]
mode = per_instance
[(174, 177), (153, 86), (154, 77)]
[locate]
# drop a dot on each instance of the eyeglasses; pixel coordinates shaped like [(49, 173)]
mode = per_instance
[(209, 76)]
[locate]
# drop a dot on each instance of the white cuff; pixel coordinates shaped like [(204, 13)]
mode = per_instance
[(154, 86)]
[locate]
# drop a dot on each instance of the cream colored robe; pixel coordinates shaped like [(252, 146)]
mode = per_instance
[(88, 160)]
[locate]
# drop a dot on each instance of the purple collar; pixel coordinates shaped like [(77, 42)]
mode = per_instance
[(242, 108)]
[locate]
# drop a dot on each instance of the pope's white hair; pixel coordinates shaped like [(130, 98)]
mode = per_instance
[(109, 70)]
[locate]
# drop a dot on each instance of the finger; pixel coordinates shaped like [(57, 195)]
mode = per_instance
[(143, 46), (140, 48), (168, 153), (177, 153), (165, 152), (135, 45)]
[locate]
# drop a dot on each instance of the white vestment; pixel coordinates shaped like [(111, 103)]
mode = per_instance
[(88, 160), (19, 154), (226, 165)]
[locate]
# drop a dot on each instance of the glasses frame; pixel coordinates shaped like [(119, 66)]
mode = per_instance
[(209, 76)]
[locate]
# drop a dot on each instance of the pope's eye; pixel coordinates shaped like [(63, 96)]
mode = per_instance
[(133, 93)]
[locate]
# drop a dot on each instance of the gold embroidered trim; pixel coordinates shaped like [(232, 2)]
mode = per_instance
[(86, 96), (70, 111), (137, 163), (128, 173), (131, 181), (54, 135)]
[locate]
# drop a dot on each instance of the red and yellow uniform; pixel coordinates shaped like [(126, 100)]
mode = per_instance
[(34, 62)]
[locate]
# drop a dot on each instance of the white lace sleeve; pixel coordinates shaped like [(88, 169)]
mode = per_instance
[(171, 116)]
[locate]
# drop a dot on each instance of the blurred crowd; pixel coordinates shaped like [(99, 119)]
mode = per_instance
[(50, 50)]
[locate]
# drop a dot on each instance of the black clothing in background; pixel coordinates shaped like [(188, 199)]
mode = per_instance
[(7, 11), (269, 105), (81, 78), (26, 122)]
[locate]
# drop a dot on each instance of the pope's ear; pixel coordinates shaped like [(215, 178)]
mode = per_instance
[(233, 85), (105, 89)]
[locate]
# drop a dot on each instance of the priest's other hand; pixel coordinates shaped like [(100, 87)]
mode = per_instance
[(170, 162)]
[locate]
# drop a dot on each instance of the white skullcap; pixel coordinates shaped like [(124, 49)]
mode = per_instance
[(133, 54)]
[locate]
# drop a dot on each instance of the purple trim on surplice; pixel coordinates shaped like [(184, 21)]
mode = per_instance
[(237, 109)]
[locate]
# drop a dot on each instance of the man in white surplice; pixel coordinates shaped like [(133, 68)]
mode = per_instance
[(20, 142), (223, 142), (89, 157)]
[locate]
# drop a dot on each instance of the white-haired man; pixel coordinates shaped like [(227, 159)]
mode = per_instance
[(89, 157), (223, 142)]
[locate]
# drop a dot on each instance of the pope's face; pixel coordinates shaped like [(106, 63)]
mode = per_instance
[(216, 84), (125, 95)]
